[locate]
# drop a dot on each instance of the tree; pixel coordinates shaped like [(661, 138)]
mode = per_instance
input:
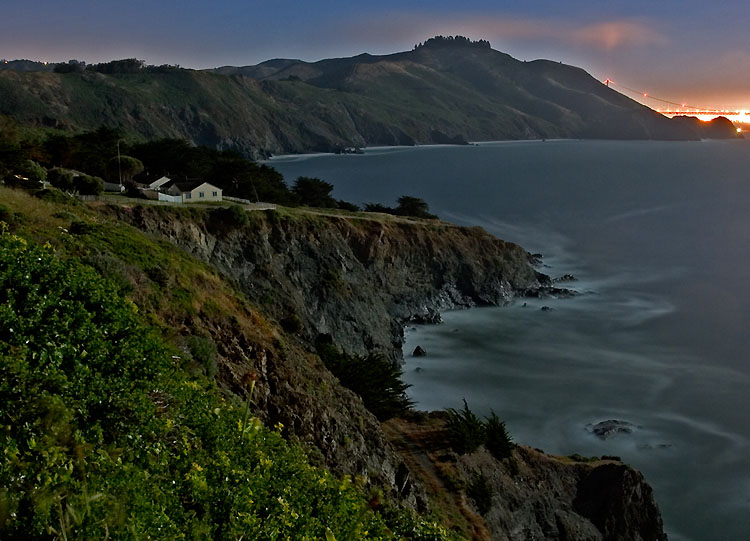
[(314, 192), (127, 166), (413, 206), (60, 178), (88, 185), (33, 171)]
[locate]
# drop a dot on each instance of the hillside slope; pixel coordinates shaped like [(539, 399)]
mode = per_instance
[(437, 93), (226, 284)]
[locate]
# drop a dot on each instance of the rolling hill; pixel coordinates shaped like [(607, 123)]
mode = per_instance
[(444, 91)]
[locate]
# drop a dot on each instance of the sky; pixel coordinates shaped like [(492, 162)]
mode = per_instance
[(687, 51)]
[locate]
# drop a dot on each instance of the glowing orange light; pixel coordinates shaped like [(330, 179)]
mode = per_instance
[(645, 95), (739, 130)]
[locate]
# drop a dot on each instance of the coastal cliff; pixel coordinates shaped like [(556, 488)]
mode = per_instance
[(221, 292), (358, 279)]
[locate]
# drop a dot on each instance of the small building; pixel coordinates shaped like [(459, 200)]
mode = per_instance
[(158, 183), (112, 186), (194, 191)]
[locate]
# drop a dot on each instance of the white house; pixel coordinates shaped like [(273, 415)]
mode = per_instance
[(196, 191)]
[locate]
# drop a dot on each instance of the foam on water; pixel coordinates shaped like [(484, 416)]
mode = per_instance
[(657, 336)]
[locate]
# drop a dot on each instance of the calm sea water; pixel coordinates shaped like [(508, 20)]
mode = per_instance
[(658, 235)]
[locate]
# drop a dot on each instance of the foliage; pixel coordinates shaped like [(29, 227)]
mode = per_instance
[(225, 219), (126, 65), (104, 434), (407, 206), (374, 378), (230, 171), (60, 178), (33, 171), (346, 205), (125, 166), (314, 192), (89, 152), (498, 440), (453, 41), (481, 492), (377, 207), (71, 66), (466, 432), (204, 353), (88, 184), (413, 206)]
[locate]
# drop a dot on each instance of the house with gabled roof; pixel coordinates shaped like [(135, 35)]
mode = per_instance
[(190, 191)]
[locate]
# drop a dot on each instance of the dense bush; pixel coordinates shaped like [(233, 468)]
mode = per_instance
[(225, 219), (374, 378), (466, 432), (481, 492), (104, 435), (407, 206)]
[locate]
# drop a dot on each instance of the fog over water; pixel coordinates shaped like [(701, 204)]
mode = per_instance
[(658, 235)]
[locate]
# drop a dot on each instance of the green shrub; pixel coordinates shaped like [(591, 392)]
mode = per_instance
[(226, 219), (466, 432), (88, 185), (204, 353), (498, 440), (481, 492), (60, 178), (374, 378), (7, 216), (52, 195), (103, 436)]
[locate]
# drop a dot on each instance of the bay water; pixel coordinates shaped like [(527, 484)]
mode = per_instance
[(658, 236)]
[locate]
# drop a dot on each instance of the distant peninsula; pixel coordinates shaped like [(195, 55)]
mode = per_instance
[(446, 90)]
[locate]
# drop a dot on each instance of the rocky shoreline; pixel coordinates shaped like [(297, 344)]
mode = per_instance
[(360, 280)]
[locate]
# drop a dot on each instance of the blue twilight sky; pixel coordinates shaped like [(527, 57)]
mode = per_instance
[(684, 51)]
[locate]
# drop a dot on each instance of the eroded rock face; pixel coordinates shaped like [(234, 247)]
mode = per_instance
[(534, 496), (358, 280)]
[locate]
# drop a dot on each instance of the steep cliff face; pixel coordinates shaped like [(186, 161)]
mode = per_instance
[(357, 279)]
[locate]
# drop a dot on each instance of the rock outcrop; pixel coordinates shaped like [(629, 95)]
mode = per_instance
[(360, 280), (531, 496)]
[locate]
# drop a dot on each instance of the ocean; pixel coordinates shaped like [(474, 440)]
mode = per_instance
[(658, 236)]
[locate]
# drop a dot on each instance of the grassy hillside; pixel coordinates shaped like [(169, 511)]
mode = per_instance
[(435, 94), (111, 422)]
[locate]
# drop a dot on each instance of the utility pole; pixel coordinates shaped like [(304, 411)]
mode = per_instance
[(119, 168)]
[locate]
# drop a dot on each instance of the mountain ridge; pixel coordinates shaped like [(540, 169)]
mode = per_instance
[(435, 93)]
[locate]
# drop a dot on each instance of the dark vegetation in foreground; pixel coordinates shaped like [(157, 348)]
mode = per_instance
[(108, 431)]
